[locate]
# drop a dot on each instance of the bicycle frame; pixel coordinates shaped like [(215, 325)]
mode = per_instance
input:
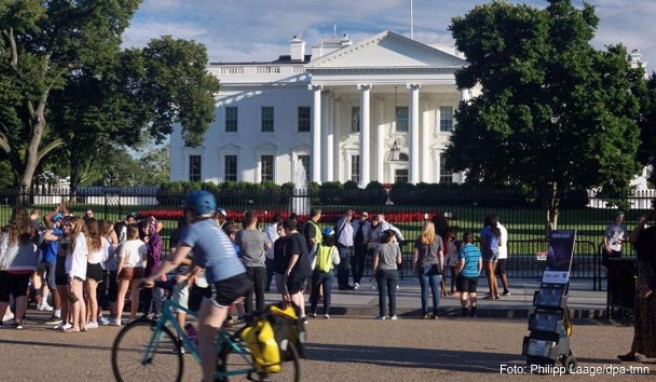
[(222, 336)]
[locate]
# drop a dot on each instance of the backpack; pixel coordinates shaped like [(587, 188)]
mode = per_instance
[(324, 260), (259, 338), (287, 328)]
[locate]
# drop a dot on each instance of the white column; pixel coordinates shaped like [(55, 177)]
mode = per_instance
[(414, 133), (336, 136), (380, 136), (326, 153), (315, 157), (425, 134), (365, 162)]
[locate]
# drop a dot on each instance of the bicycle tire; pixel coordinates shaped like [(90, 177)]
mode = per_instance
[(128, 350), (229, 361)]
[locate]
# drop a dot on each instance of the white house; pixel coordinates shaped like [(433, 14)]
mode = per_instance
[(380, 109)]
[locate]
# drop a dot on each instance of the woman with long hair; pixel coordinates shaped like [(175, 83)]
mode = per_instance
[(490, 242), (76, 268), (98, 252), (130, 271), (19, 258), (428, 264)]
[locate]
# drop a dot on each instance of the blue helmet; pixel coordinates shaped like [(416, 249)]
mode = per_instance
[(202, 202), (328, 231)]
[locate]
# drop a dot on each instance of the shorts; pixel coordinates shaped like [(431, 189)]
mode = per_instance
[(13, 284), (295, 286), (196, 296), (95, 272), (466, 284), (490, 254), (51, 272), (180, 296), (129, 274), (61, 278), (225, 292), (501, 267)]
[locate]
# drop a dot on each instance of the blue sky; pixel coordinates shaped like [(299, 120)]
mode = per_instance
[(259, 30)]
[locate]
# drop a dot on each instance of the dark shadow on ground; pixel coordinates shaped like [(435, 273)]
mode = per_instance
[(435, 359), (55, 344)]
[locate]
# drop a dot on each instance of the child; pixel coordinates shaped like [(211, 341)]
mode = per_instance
[(467, 272), (327, 256)]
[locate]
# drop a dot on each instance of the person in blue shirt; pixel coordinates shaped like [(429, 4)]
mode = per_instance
[(467, 271), (490, 242), (226, 274)]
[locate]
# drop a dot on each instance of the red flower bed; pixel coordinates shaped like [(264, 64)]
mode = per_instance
[(267, 215)]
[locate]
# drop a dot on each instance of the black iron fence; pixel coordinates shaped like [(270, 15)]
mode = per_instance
[(525, 221)]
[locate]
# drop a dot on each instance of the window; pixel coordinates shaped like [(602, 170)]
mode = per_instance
[(446, 118), (355, 168), (267, 119), (305, 159), (194, 168), (231, 118), (446, 173), (401, 118), (231, 168), (355, 119), (266, 162), (304, 119), (401, 175)]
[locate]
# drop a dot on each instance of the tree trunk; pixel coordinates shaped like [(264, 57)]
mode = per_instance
[(553, 204), (74, 180)]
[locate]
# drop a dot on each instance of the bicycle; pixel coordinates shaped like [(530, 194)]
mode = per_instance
[(147, 350)]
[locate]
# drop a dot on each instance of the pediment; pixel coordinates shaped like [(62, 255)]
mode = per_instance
[(230, 147), (387, 50)]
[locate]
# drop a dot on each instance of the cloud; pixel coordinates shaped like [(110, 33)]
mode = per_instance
[(255, 30)]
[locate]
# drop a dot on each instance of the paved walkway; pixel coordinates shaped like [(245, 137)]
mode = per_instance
[(583, 302)]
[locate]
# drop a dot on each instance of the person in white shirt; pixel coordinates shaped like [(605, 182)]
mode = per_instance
[(76, 269), (271, 232), (500, 269), (130, 271)]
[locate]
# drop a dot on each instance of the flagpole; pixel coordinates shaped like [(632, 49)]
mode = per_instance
[(412, 26)]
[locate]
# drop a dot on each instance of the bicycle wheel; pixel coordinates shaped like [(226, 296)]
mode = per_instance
[(231, 361), (165, 363)]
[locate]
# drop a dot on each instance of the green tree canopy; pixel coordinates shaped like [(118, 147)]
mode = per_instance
[(553, 113)]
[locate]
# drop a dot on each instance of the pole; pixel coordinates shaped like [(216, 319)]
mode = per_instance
[(412, 25)]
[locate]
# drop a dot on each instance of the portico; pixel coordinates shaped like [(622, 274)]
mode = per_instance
[(367, 97)]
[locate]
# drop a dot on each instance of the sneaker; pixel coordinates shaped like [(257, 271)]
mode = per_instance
[(115, 322), (103, 321), (356, 286), (305, 320), (313, 315), (18, 325), (92, 325), (45, 307), (394, 317), (65, 326), (380, 318), (54, 320), (181, 347), (326, 316), (506, 293)]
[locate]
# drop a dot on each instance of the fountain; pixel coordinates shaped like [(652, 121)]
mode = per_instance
[(300, 197)]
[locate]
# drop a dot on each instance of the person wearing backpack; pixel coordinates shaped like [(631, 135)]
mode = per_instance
[(327, 257)]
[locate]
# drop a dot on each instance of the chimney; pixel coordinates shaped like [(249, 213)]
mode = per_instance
[(297, 49)]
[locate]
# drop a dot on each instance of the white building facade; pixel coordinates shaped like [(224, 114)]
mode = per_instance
[(380, 109)]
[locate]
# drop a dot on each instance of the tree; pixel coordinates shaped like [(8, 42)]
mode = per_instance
[(646, 154), (68, 53), (142, 95), (554, 114), (41, 43)]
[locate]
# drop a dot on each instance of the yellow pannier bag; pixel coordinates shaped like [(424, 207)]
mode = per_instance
[(263, 346)]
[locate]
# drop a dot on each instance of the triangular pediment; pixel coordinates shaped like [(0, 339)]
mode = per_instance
[(387, 50)]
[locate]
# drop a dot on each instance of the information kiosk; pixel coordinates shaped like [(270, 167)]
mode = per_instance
[(549, 320)]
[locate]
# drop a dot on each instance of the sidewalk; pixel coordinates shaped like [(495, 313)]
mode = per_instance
[(583, 302)]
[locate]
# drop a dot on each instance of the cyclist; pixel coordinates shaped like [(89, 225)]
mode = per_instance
[(225, 273)]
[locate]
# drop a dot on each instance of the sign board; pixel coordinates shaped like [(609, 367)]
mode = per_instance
[(559, 257)]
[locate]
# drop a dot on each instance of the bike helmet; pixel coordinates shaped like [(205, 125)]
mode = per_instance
[(222, 212), (202, 202), (328, 232)]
